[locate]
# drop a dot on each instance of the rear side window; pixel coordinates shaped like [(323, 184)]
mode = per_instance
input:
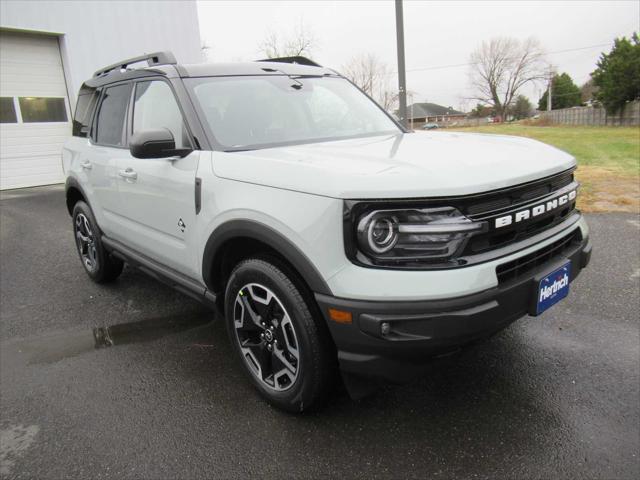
[(156, 107), (84, 111), (111, 116)]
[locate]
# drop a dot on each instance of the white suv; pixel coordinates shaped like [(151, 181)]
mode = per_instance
[(330, 237)]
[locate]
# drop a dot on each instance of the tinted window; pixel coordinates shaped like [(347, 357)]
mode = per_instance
[(84, 111), (156, 107), (7, 110), (111, 117), (42, 109)]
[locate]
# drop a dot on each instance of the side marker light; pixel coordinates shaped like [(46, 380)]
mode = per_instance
[(340, 316)]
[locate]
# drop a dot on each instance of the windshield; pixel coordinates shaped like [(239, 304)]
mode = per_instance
[(261, 111)]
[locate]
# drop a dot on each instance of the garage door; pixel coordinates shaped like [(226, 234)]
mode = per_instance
[(34, 110)]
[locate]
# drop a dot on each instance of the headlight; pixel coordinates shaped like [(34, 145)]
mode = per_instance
[(380, 234), (424, 235)]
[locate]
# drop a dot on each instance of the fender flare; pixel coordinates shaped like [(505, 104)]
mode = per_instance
[(272, 238), (72, 182)]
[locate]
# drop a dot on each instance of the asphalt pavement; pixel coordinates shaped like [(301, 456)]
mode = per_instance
[(557, 396)]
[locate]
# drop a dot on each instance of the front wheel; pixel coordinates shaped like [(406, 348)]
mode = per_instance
[(97, 262), (281, 340)]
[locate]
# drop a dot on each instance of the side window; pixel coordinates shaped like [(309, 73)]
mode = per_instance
[(85, 107), (111, 116), (156, 107)]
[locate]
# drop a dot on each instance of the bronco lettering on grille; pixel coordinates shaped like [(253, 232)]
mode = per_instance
[(535, 211)]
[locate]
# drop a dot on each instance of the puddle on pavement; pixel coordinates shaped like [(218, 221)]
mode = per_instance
[(55, 347)]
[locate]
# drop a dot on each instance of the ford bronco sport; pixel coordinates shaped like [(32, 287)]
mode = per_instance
[(330, 238)]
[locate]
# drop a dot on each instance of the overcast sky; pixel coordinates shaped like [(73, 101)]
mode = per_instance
[(437, 34)]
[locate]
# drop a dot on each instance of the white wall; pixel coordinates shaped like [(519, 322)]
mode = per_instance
[(97, 33)]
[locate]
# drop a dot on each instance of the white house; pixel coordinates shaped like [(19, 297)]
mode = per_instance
[(48, 48)]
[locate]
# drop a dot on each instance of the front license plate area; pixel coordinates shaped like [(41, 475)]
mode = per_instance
[(552, 288)]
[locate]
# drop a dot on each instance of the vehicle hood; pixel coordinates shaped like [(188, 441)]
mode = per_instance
[(421, 164)]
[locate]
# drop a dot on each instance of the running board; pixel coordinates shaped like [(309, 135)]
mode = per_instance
[(160, 272)]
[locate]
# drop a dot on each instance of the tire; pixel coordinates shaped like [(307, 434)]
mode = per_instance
[(97, 262), (279, 336)]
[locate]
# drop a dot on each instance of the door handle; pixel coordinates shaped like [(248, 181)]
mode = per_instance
[(129, 174), (86, 165)]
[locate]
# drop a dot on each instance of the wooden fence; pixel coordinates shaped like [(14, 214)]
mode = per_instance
[(629, 115)]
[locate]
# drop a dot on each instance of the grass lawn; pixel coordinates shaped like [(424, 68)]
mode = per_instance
[(608, 160)]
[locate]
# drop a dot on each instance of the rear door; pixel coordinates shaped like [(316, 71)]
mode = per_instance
[(76, 153), (108, 144), (157, 195)]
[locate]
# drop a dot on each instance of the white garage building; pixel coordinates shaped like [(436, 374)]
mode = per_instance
[(48, 48)]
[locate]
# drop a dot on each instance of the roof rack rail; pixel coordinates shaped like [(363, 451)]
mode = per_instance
[(297, 59), (152, 59)]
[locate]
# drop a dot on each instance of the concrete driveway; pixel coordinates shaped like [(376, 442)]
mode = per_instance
[(551, 397)]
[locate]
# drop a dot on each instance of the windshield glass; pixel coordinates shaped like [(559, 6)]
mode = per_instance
[(261, 111)]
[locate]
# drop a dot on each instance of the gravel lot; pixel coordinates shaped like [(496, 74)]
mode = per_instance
[(551, 397)]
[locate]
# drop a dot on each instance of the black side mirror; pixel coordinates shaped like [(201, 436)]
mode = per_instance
[(155, 144)]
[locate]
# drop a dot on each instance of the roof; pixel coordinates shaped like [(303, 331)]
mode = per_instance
[(251, 68), (121, 70), (423, 110)]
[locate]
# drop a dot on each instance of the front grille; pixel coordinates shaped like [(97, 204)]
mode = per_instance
[(498, 238), (515, 268), (480, 207), (488, 208), (520, 194)]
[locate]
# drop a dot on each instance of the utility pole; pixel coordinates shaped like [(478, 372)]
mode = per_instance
[(402, 80)]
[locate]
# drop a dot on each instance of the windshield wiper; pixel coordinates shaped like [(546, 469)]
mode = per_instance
[(298, 85)]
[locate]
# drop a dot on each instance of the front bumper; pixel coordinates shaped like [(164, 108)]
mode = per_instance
[(418, 330)]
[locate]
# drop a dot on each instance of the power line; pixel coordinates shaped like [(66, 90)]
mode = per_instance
[(457, 65)]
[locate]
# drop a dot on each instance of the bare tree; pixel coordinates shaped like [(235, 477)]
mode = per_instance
[(387, 99), (588, 91), (463, 104), (299, 41), (372, 76), (502, 66)]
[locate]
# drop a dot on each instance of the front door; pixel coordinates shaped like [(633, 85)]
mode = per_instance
[(157, 196)]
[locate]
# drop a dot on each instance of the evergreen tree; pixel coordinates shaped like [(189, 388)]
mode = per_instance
[(521, 108), (618, 74), (564, 93)]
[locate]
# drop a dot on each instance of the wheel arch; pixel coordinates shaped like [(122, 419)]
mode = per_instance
[(73, 193), (240, 238)]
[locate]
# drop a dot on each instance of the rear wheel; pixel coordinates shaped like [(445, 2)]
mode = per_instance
[(97, 262), (283, 345)]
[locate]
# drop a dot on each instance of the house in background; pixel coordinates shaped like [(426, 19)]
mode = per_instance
[(421, 113), (48, 48)]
